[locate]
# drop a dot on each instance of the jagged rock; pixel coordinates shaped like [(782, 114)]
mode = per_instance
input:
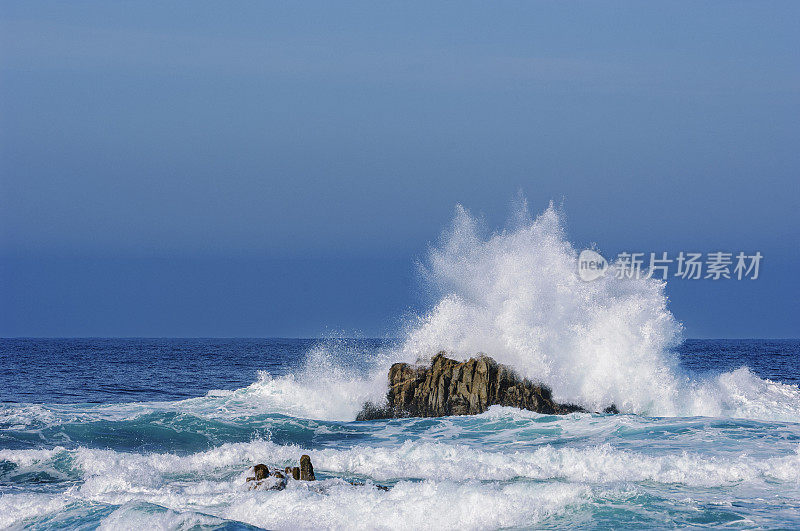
[(612, 409), (260, 471), (263, 480), (306, 469), (449, 387), (296, 472)]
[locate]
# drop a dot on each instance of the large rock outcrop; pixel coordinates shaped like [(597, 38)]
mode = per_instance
[(450, 387)]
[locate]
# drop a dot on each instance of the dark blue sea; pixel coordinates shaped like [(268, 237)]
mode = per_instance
[(159, 433)]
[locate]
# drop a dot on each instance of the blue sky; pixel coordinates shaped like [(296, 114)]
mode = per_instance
[(274, 169)]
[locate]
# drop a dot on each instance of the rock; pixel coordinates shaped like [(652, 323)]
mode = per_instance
[(306, 469), (262, 480), (261, 471), (269, 483), (449, 387), (370, 411), (612, 410), (278, 484)]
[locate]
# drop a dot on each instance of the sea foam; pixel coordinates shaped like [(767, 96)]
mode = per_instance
[(434, 484), (515, 295)]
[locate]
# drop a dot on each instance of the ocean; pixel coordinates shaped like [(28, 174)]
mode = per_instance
[(160, 433)]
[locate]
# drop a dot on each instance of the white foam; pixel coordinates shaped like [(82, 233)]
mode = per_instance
[(136, 516), (602, 463), (455, 485), (742, 394), (516, 296), (17, 508), (418, 505), (323, 389)]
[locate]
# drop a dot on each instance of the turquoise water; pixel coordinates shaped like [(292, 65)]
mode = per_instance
[(160, 433)]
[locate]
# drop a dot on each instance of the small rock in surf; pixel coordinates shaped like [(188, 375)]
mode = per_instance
[(306, 469)]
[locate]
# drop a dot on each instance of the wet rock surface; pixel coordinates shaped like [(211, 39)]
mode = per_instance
[(293, 472), (260, 472), (449, 387), (306, 469), (264, 480)]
